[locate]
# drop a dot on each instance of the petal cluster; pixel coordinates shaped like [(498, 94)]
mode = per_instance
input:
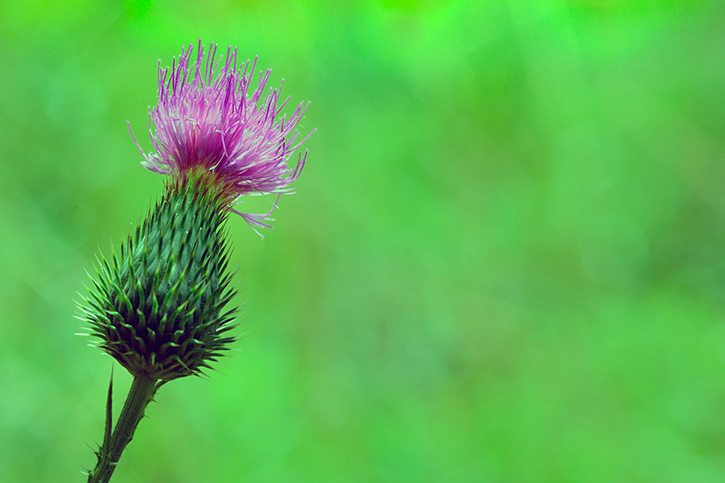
[(210, 118)]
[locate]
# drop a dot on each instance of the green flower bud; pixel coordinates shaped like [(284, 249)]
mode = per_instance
[(158, 306)]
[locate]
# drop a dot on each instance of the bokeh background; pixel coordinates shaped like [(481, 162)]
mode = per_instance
[(504, 261)]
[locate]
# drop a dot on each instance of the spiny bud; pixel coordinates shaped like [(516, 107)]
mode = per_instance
[(158, 307)]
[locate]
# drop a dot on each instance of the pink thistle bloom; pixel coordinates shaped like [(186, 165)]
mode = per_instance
[(212, 124)]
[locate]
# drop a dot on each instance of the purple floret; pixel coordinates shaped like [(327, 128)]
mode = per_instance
[(210, 121)]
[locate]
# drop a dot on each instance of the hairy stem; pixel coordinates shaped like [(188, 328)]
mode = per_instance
[(140, 395)]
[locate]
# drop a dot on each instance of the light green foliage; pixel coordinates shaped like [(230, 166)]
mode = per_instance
[(504, 261)]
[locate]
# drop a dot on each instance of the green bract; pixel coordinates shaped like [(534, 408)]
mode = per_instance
[(158, 307)]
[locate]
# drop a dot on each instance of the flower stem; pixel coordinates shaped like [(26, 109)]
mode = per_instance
[(140, 395)]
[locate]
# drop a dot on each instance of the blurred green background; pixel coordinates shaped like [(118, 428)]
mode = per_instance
[(504, 261)]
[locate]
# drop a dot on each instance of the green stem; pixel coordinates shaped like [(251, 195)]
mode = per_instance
[(140, 395)]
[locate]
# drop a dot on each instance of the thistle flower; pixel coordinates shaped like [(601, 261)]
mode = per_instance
[(215, 125), (159, 306)]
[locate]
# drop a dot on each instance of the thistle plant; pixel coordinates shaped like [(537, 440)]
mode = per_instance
[(161, 305)]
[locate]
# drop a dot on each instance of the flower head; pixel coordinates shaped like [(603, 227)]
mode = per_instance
[(215, 124)]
